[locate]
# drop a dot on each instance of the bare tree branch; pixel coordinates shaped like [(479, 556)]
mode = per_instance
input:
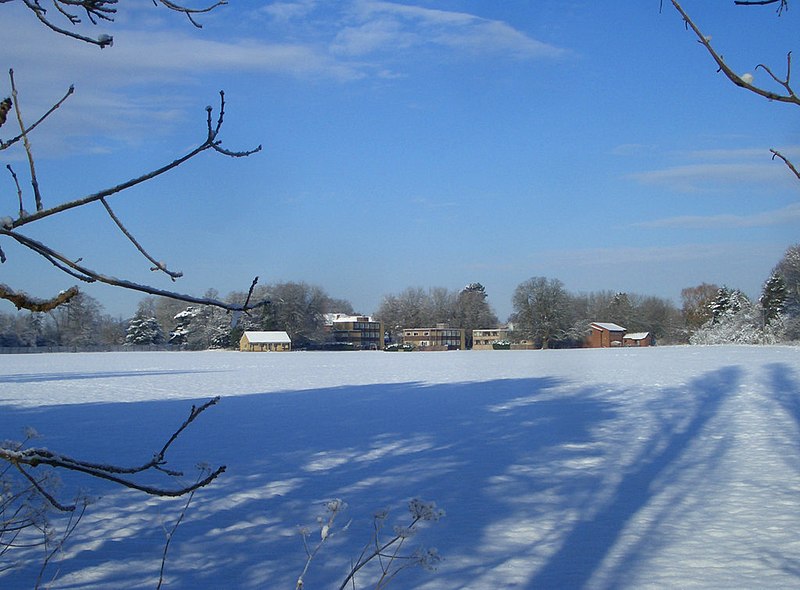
[(19, 190), (744, 81), (782, 4), (34, 182), (13, 140), (83, 273), (789, 97), (88, 275), (211, 142), (777, 154), (35, 457), (25, 301), (97, 10), (157, 265)]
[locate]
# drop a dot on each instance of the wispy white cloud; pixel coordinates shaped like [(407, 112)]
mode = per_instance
[(289, 11), (785, 215), (695, 177), (713, 168), (304, 39), (389, 26), (150, 71)]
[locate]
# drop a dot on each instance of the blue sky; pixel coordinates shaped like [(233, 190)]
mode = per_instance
[(414, 144)]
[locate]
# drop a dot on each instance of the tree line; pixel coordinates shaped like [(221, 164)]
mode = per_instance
[(544, 313)]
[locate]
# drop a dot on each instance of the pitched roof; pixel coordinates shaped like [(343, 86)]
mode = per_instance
[(608, 326), (273, 337), (637, 336)]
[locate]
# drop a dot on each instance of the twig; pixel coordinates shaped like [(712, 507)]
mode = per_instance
[(334, 508), (19, 190), (189, 12), (784, 4), (35, 457), (101, 41), (88, 275), (250, 292), (777, 154), (785, 83), (157, 265), (171, 534), (75, 518), (34, 181), (790, 97), (47, 496), (13, 140), (211, 142)]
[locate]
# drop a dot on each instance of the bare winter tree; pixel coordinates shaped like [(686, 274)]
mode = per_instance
[(783, 91)]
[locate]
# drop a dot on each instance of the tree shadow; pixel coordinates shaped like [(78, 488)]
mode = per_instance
[(80, 376), (588, 543), (539, 477), (785, 388)]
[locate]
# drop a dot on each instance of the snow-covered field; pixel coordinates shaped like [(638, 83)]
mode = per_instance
[(674, 467)]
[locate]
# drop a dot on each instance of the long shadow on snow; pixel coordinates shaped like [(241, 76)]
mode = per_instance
[(590, 541), (375, 446), (78, 376), (785, 388)]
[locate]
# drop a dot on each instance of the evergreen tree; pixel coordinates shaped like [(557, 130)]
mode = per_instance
[(789, 269), (143, 330), (773, 298), (726, 302), (184, 326), (472, 311)]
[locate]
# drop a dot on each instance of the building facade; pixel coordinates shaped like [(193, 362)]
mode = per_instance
[(638, 339), (605, 335), (439, 338), (359, 332), (265, 342), (486, 339)]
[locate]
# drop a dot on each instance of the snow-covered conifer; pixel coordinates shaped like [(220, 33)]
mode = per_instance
[(143, 331)]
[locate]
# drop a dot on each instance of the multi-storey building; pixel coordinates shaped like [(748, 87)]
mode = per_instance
[(360, 332), (486, 339), (439, 338)]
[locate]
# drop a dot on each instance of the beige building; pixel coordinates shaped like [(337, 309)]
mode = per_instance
[(439, 338), (265, 342), (359, 331), (485, 339)]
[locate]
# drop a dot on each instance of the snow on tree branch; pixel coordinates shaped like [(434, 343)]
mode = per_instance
[(788, 95), (100, 10), (745, 80)]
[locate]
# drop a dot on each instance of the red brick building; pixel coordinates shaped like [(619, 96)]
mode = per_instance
[(605, 335)]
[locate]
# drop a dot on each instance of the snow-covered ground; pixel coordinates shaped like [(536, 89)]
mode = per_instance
[(674, 467)]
